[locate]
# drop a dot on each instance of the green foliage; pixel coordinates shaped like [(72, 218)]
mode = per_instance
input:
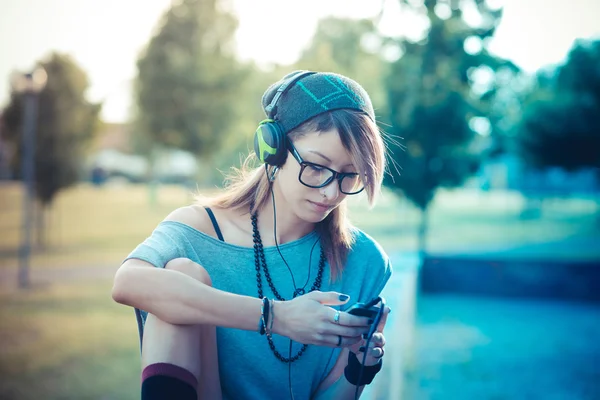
[(65, 124), (431, 101), (236, 147), (189, 79), (337, 46), (349, 47), (560, 123)]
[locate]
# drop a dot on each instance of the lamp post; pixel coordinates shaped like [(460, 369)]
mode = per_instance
[(30, 85)]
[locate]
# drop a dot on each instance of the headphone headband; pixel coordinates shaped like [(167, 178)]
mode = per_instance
[(271, 109)]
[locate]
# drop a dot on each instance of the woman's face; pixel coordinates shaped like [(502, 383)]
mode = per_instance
[(312, 204)]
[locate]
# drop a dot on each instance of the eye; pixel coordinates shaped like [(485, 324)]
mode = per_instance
[(315, 168)]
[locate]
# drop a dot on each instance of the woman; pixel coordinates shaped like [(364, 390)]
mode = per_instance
[(249, 297)]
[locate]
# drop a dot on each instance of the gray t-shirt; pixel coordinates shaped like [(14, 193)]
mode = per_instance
[(247, 366)]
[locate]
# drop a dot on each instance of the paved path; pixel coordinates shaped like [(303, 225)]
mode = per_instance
[(461, 347), (399, 294), (42, 276), (484, 348)]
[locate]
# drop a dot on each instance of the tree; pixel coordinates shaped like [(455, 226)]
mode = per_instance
[(236, 147), (66, 122), (431, 101), (560, 123), (349, 47), (188, 80), (345, 46)]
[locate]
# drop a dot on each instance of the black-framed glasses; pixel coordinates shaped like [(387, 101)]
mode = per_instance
[(317, 176)]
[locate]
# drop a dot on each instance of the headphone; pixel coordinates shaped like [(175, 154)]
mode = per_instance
[(270, 139)]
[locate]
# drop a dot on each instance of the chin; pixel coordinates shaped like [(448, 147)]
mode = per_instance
[(308, 213), (315, 218)]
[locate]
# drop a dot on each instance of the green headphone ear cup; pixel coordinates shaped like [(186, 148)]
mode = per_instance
[(263, 144), (269, 143)]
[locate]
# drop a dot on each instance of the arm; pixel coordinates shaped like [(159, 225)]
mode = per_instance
[(335, 385), (175, 297), (178, 299)]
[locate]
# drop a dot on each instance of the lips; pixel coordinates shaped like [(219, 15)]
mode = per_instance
[(321, 206)]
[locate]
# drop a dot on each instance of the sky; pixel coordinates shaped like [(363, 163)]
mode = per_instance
[(106, 37)]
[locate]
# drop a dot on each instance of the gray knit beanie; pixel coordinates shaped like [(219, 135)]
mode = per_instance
[(315, 94)]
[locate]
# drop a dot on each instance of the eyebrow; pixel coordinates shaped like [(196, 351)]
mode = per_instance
[(327, 158)]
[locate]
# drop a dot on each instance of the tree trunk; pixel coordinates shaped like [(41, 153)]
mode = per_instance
[(422, 248), (153, 183), (422, 233), (41, 226), (37, 216)]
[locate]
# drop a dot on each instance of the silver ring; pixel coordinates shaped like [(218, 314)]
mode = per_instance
[(339, 341), (336, 317), (382, 353)]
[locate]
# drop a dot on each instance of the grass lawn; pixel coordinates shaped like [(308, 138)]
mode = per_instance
[(67, 342), (100, 226), (71, 341), (87, 225)]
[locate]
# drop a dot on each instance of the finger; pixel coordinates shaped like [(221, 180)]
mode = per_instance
[(354, 320), (340, 341), (337, 318), (332, 328), (348, 331), (381, 324), (377, 352), (378, 340), (329, 298)]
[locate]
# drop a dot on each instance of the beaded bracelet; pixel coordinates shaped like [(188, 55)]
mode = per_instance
[(272, 316), (264, 310)]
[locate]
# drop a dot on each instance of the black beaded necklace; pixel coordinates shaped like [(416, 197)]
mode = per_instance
[(259, 258)]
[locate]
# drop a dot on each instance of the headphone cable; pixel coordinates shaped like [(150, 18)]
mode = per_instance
[(275, 234), (371, 333), (290, 372), (279, 251), (362, 367), (289, 269), (295, 290)]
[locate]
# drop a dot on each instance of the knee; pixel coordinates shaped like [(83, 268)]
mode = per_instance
[(190, 268)]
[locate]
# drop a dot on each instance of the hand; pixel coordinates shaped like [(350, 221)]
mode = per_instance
[(309, 319), (375, 350)]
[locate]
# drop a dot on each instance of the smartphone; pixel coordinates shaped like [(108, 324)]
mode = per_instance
[(370, 310), (361, 310)]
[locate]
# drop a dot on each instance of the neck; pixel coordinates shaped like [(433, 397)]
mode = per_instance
[(287, 225)]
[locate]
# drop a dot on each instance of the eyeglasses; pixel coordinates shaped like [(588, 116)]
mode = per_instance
[(318, 176)]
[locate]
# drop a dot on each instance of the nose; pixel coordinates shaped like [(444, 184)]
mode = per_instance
[(331, 191)]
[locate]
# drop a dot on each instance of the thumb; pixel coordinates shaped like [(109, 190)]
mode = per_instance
[(329, 298)]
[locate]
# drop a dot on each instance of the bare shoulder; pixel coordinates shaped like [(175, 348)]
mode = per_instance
[(233, 226), (194, 216)]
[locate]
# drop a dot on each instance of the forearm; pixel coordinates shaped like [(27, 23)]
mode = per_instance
[(341, 389), (179, 299)]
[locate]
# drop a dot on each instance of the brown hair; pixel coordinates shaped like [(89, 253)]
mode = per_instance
[(249, 187)]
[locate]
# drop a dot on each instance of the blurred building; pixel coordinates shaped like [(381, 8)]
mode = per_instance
[(113, 159), (507, 171)]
